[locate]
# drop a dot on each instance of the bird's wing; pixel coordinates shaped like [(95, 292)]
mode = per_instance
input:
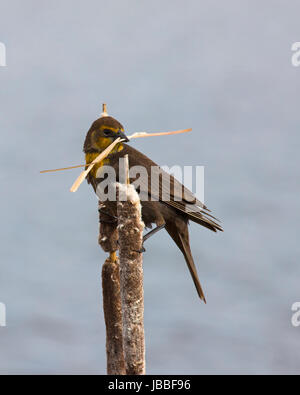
[(176, 196)]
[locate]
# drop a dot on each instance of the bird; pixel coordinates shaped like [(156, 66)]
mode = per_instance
[(172, 214)]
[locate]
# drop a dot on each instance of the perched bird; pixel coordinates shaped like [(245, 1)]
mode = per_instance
[(173, 214)]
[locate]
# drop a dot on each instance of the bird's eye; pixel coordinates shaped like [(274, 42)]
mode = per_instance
[(106, 132)]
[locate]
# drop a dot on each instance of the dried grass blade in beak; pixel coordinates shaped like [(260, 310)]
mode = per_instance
[(62, 168), (99, 158), (133, 136), (145, 134)]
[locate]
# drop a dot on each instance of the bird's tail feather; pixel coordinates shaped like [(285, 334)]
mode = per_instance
[(182, 241)]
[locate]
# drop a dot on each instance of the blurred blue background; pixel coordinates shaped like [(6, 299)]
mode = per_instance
[(223, 69)]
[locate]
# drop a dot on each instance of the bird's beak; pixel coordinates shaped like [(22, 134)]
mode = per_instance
[(122, 135)]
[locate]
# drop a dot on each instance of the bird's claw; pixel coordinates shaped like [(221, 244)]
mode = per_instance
[(141, 250), (107, 221)]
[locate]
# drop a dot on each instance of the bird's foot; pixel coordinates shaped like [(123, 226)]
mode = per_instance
[(113, 256), (113, 219), (108, 221), (141, 250)]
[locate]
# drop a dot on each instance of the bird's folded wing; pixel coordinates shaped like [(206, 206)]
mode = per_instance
[(159, 185)]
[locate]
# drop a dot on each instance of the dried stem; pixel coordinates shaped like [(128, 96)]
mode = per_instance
[(99, 158), (130, 230), (104, 111), (133, 136), (108, 238)]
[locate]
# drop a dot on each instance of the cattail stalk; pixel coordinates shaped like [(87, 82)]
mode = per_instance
[(108, 239), (130, 230)]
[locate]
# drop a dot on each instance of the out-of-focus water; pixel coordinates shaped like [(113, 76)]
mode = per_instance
[(224, 70)]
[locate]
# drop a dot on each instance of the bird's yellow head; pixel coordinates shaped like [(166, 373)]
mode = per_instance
[(102, 133)]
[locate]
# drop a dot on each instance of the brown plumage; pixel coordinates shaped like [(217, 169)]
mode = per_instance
[(174, 213)]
